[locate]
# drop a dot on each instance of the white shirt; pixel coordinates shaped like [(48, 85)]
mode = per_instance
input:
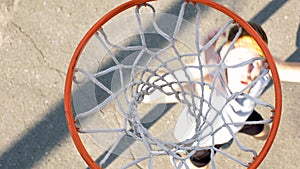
[(222, 129)]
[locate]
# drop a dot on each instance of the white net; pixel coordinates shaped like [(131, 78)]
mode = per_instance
[(161, 92)]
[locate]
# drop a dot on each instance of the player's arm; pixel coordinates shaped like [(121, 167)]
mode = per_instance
[(288, 71)]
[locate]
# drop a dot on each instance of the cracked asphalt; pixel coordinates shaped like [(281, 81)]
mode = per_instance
[(37, 40)]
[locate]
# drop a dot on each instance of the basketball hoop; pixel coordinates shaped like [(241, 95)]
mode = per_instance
[(130, 69)]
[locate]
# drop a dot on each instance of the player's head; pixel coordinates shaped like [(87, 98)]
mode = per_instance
[(245, 48), (244, 33)]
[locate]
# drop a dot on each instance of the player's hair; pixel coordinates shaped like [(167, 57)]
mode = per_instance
[(254, 25)]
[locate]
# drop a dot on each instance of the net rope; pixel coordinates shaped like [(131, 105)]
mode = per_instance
[(165, 79)]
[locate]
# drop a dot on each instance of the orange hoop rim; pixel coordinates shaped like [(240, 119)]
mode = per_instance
[(70, 74)]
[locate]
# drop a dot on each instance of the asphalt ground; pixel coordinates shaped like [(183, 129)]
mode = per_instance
[(37, 40)]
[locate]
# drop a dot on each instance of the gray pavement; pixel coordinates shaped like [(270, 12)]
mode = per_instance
[(37, 40)]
